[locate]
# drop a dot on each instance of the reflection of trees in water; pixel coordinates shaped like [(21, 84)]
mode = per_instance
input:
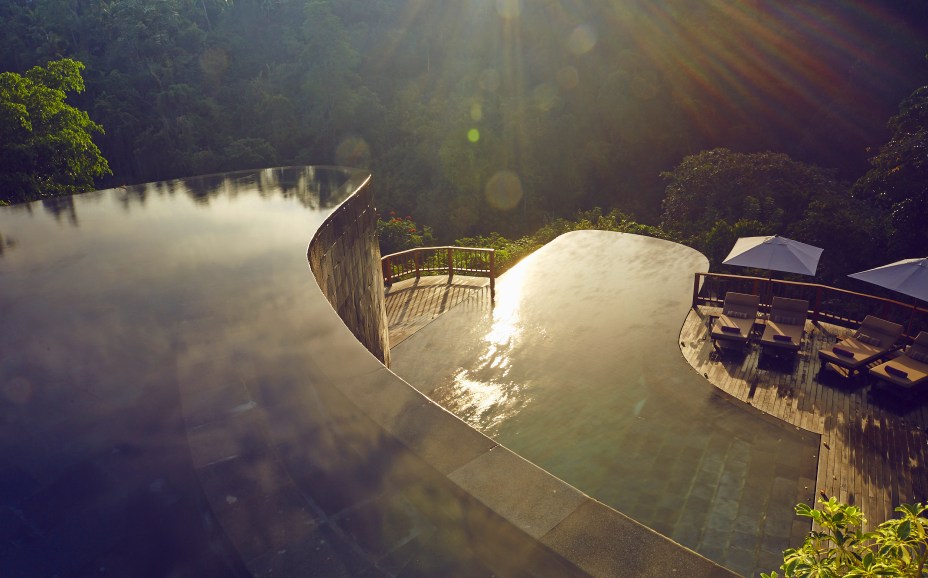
[(6, 243), (126, 196), (61, 207), (64, 207), (9, 243), (313, 187), (201, 189)]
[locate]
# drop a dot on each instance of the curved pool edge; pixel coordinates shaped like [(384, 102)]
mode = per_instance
[(497, 493)]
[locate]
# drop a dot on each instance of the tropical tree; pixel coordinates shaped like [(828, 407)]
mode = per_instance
[(715, 196), (47, 147), (898, 179), (723, 185), (838, 547), (852, 234)]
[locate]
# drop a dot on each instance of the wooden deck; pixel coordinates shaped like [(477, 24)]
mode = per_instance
[(874, 447), (412, 304)]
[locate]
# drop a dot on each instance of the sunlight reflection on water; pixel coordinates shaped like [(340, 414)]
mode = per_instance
[(482, 395), (486, 405)]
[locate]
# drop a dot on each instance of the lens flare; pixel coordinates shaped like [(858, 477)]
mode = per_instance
[(353, 152), (504, 190), (568, 77), (489, 80), (509, 8), (545, 96), (581, 40), (476, 112)]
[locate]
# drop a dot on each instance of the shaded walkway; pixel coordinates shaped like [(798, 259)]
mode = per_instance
[(874, 447), (413, 303)]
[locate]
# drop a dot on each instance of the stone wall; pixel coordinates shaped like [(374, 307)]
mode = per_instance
[(345, 258)]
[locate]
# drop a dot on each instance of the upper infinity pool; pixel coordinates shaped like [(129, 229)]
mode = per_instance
[(114, 307), (172, 398), (577, 369)]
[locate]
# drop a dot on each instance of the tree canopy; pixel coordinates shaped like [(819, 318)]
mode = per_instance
[(721, 185), (494, 116), (47, 146), (716, 196), (897, 183), (573, 108)]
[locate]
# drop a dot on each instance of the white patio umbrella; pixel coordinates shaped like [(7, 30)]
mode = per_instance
[(909, 277), (774, 253)]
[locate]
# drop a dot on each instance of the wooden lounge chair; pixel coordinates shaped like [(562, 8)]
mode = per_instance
[(906, 373), (784, 328), (873, 340), (735, 324)]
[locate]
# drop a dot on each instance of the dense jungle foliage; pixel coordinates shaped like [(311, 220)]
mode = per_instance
[(506, 115)]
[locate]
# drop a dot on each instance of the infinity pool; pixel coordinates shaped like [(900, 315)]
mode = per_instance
[(175, 399), (116, 306), (577, 368)]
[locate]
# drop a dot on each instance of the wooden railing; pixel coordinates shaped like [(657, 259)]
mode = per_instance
[(470, 261), (829, 304)]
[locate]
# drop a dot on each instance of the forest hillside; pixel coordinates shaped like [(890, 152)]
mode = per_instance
[(707, 119)]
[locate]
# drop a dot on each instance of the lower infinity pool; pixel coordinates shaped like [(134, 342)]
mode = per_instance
[(577, 368)]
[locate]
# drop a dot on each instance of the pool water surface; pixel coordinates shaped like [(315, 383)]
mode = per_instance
[(577, 368)]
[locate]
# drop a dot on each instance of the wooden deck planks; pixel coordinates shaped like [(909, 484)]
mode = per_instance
[(412, 304), (873, 449)]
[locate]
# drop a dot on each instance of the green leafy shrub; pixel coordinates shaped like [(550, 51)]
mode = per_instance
[(839, 548), (509, 252), (399, 234)]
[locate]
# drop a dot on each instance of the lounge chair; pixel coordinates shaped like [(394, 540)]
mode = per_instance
[(735, 324), (909, 371), (785, 326), (874, 339)]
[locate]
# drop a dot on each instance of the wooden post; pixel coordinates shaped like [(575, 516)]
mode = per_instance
[(387, 272), (696, 289), (450, 264), (492, 274), (416, 259)]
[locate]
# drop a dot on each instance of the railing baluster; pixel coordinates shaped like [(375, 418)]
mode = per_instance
[(432, 260), (696, 290), (450, 265), (838, 306)]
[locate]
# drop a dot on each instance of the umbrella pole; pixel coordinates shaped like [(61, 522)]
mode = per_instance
[(908, 327), (770, 289)]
